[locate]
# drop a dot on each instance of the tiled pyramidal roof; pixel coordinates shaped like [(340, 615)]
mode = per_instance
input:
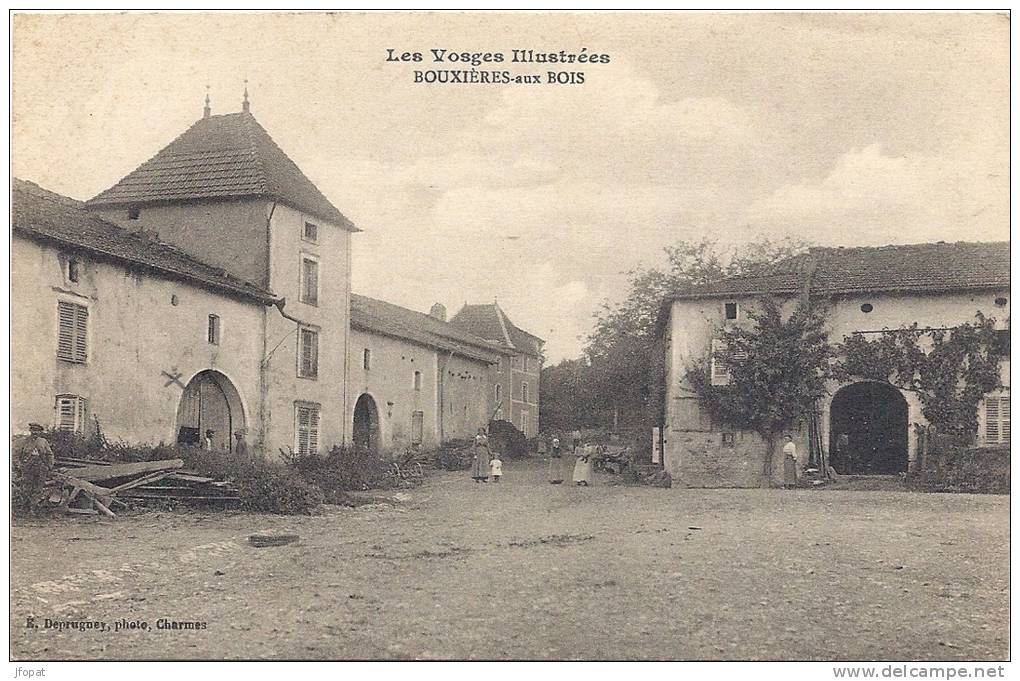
[(220, 157), (488, 321)]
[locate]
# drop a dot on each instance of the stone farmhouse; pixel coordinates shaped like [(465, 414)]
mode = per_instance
[(210, 289), (935, 285)]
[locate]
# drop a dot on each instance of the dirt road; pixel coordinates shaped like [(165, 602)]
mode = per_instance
[(527, 570)]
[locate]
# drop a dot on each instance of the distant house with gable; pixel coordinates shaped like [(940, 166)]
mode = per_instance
[(515, 390), (418, 379)]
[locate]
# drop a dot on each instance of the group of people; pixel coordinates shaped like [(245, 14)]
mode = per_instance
[(485, 464), (583, 455)]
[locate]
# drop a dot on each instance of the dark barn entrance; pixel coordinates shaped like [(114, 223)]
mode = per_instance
[(209, 402), (868, 430), (366, 425)]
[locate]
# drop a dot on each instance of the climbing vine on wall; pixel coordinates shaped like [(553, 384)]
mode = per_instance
[(949, 369)]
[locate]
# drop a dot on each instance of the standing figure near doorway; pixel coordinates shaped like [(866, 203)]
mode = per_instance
[(482, 456)]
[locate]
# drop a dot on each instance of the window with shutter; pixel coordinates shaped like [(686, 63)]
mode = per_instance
[(720, 372), (309, 280), (73, 332), (307, 416), (308, 353), (70, 413), (997, 429)]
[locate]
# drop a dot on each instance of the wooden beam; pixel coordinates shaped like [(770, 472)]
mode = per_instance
[(124, 470)]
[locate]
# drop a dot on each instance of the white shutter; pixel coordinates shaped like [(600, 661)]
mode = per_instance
[(720, 373), (313, 430), (71, 413), (997, 420), (1004, 419)]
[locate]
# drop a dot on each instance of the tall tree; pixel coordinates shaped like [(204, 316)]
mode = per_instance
[(622, 349), (778, 367)]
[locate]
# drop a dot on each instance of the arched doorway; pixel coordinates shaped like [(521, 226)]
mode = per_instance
[(868, 430), (209, 402), (366, 425)]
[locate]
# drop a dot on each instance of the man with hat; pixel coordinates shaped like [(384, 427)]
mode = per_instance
[(31, 463), (240, 447)]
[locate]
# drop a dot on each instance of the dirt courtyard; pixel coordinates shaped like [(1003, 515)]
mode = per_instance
[(526, 570)]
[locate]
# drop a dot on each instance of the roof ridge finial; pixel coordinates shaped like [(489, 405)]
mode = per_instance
[(245, 105), (208, 109)]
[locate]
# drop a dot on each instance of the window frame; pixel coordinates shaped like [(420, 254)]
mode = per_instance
[(313, 425), (78, 418), (313, 373), (718, 370), (314, 239), (214, 329), (416, 380), (1001, 419), (73, 270), (524, 392), (303, 279), (78, 352), (726, 311), (366, 359)]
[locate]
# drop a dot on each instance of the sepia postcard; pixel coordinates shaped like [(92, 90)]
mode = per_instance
[(511, 336)]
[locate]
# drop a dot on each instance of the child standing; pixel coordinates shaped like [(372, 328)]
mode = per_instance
[(496, 467)]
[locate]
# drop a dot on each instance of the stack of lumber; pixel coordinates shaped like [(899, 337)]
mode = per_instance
[(92, 487)]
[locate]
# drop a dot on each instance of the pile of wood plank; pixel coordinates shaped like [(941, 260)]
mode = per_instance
[(93, 487)]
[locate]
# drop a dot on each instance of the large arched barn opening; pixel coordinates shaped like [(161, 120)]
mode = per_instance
[(366, 425), (209, 402), (868, 430)]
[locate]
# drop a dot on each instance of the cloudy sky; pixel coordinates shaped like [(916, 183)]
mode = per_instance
[(841, 129)]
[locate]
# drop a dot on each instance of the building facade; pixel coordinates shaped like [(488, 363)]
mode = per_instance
[(866, 427), (119, 334)]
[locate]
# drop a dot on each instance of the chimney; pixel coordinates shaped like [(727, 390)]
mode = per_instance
[(438, 311)]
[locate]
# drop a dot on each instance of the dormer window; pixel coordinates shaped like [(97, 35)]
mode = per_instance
[(731, 310), (134, 212), (310, 232), (73, 270)]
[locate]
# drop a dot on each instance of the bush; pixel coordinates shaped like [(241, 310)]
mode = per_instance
[(272, 488), (507, 440), (454, 455), (979, 470), (341, 470)]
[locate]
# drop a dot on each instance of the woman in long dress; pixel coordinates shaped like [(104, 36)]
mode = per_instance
[(582, 466), (556, 463), (482, 456)]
